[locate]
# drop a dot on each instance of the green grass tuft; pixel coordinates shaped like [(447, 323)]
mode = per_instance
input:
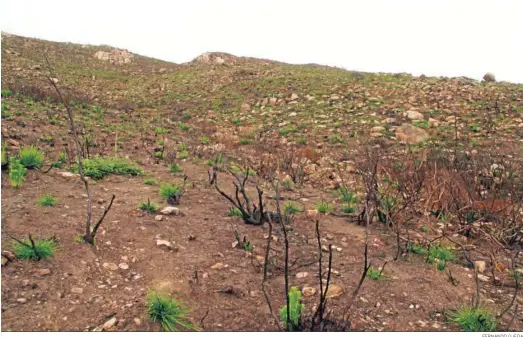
[(148, 206), (168, 311), (374, 274), (168, 191), (44, 249), (472, 319), (31, 157), (17, 172), (100, 167), (296, 308), (233, 211), (290, 207), (324, 207), (149, 181), (47, 200), (175, 168)]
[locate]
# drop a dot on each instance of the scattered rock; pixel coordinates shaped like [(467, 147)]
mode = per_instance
[(110, 265), (192, 237), (21, 300), (245, 107), (273, 101), (115, 56), (219, 266), (137, 321), (294, 96), (123, 266), (164, 243), (109, 324), (170, 210), (44, 272), (308, 291), (480, 265), (77, 290), (415, 115), (302, 274), (411, 134), (334, 291), (489, 77), (484, 278), (159, 217), (377, 129), (4, 261)]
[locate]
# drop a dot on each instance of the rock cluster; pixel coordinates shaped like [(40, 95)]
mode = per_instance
[(115, 56)]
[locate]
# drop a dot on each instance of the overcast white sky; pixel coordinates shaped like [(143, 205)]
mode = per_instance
[(434, 37)]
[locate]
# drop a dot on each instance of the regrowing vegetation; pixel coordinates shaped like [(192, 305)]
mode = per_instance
[(152, 196)]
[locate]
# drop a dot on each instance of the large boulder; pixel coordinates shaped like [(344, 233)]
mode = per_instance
[(411, 134), (115, 56), (489, 77)]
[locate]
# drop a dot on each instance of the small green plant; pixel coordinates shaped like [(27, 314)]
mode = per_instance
[(286, 130), (148, 206), (31, 157), (290, 207), (347, 208), (440, 253), (287, 184), (42, 249), (386, 206), (324, 207), (47, 200), (336, 139), (4, 155), (417, 249), (472, 319), (424, 124), (182, 155), (245, 141), (374, 274), (182, 147), (17, 172), (168, 311), (245, 244), (475, 128), (149, 181), (160, 131), (295, 310), (101, 167), (62, 159), (170, 191), (183, 126), (7, 93), (424, 228), (233, 211), (205, 140), (175, 168)]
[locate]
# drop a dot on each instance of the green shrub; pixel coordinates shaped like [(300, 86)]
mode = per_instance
[(290, 207), (62, 159), (47, 200), (183, 155), (417, 249), (31, 157), (205, 140), (7, 93), (183, 126), (168, 311), (100, 167), (440, 253), (149, 181), (44, 249), (347, 208), (17, 172), (169, 191), (175, 168), (347, 195), (324, 207), (233, 211), (148, 206), (4, 155), (472, 319), (295, 310), (374, 274)]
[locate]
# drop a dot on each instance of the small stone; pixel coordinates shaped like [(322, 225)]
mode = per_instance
[(170, 210), (308, 291), (480, 265), (377, 129), (245, 107), (325, 248), (4, 261), (109, 324), (378, 304), (415, 115), (21, 300), (77, 290), (100, 201), (219, 266), (329, 237), (334, 291), (411, 306), (137, 321), (192, 237), (343, 239), (110, 265), (159, 217), (302, 274), (422, 323), (294, 96), (164, 243), (436, 326), (484, 278), (123, 266)]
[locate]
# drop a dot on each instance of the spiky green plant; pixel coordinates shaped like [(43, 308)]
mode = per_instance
[(148, 206), (31, 157), (324, 207), (290, 207), (168, 311), (233, 211), (43, 249), (175, 168), (17, 172), (47, 200), (440, 253), (295, 310), (472, 319), (169, 191), (374, 274)]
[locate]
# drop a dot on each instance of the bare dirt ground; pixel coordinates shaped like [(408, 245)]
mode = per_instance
[(82, 287)]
